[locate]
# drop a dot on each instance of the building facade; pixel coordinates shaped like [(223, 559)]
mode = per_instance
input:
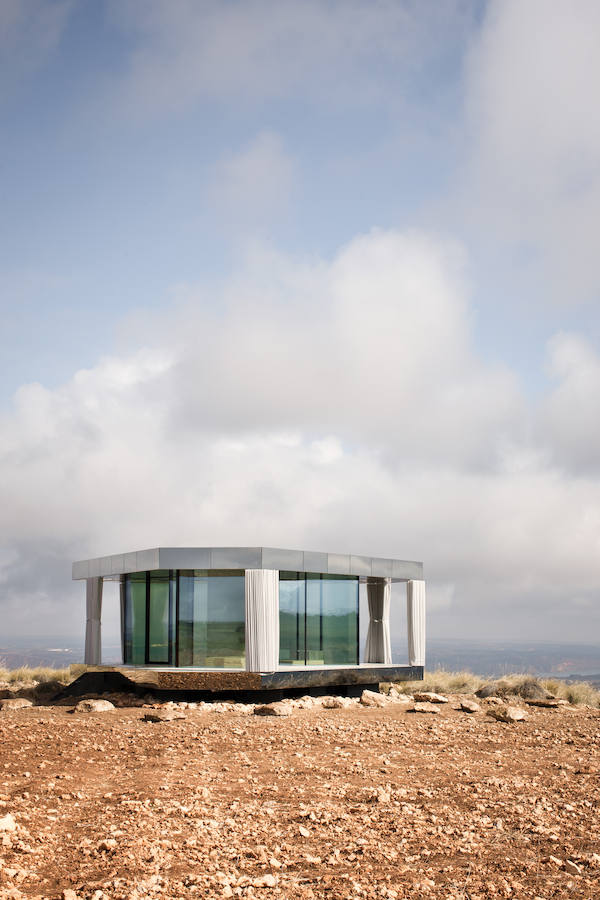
[(256, 609)]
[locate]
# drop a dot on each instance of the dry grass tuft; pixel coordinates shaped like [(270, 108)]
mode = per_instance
[(519, 684), (578, 692), (35, 674), (444, 682)]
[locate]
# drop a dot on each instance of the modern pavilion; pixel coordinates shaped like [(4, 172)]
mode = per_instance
[(290, 615)]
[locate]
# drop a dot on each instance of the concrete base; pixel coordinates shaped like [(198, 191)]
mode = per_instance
[(239, 685)]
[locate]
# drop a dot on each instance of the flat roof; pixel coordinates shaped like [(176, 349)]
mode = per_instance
[(248, 558)]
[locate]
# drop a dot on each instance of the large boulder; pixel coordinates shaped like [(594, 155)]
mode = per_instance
[(424, 707), (279, 708), (507, 713), (15, 703), (373, 698), (88, 706), (429, 697)]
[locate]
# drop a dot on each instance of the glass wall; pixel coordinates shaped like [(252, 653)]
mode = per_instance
[(211, 619), (185, 618), (318, 619)]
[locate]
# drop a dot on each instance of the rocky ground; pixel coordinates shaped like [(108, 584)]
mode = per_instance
[(337, 801)]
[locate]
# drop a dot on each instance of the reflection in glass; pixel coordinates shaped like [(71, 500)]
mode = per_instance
[(211, 619), (159, 618), (321, 612), (292, 608), (134, 644)]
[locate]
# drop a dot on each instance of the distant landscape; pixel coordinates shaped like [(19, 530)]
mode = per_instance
[(488, 658)]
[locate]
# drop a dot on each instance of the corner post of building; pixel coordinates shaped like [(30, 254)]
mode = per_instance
[(93, 613), (415, 622), (262, 619), (378, 648)]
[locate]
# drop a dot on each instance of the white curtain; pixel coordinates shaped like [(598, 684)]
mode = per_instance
[(262, 620), (93, 613), (415, 620), (378, 648)]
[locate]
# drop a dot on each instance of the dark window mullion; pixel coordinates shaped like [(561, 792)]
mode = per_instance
[(147, 635)]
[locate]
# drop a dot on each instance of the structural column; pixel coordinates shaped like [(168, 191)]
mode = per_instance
[(378, 648), (415, 622), (262, 620), (93, 612)]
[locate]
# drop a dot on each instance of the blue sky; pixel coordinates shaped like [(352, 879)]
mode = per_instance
[(304, 273)]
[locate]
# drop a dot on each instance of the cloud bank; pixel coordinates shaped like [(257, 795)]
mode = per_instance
[(336, 404)]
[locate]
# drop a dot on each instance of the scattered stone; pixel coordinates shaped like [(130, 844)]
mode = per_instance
[(572, 867), (163, 715), (398, 696), (335, 702), (266, 881), (7, 823), (424, 707), (86, 706), (15, 703), (373, 698), (507, 713), (279, 708), (531, 689), (550, 703), (557, 862), (429, 697), (469, 706)]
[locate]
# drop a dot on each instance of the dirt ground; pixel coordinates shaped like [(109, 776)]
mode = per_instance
[(335, 803)]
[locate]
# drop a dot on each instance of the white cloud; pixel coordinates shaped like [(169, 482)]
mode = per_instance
[(533, 117), (340, 52), (569, 417), (251, 189), (331, 405)]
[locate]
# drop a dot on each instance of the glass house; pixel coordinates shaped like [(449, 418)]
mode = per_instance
[(255, 609)]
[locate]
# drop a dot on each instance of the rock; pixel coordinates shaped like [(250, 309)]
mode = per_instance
[(486, 691), (85, 706), (469, 706), (15, 703), (47, 688), (162, 715), (507, 713), (572, 867), (550, 703), (69, 894), (397, 696), (265, 881), (7, 823), (335, 702), (279, 708), (373, 698), (424, 707), (429, 697), (531, 689)]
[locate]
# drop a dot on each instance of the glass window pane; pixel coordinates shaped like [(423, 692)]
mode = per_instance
[(339, 622), (292, 590), (314, 621), (211, 620), (135, 619), (158, 626)]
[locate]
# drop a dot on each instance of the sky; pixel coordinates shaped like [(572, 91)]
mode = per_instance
[(313, 273)]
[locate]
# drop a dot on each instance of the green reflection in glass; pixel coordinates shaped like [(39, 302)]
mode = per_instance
[(318, 619), (135, 619), (158, 625), (211, 620), (292, 599)]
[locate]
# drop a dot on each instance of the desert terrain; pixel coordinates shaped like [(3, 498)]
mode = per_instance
[(346, 802)]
